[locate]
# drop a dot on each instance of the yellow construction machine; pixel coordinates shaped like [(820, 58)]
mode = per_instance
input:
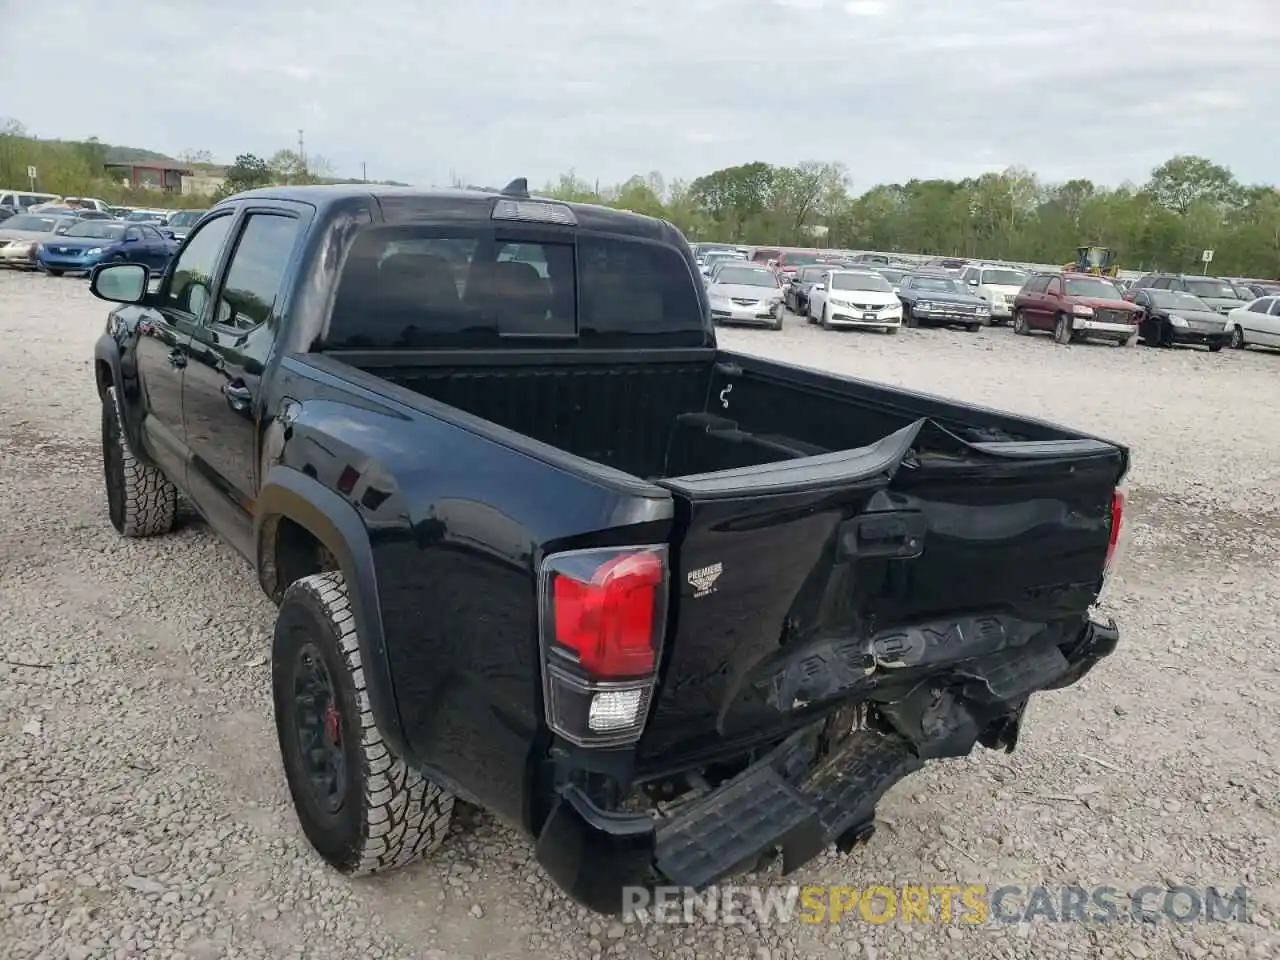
[(1096, 261)]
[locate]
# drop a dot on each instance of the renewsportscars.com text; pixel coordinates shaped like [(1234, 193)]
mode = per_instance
[(936, 903)]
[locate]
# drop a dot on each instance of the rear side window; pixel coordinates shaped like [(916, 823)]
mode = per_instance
[(442, 287)]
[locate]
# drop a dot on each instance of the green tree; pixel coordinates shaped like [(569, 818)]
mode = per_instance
[(247, 173), (1183, 180)]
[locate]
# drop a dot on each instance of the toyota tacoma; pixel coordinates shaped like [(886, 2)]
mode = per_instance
[(539, 544)]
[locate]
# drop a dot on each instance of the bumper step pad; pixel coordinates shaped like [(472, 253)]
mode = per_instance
[(759, 811)]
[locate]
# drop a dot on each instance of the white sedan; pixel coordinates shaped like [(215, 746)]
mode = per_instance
[(855, 298), (1256, 324)]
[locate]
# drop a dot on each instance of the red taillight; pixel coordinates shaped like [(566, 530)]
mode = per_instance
[(608, 621), (1117, 518), (602, 625)]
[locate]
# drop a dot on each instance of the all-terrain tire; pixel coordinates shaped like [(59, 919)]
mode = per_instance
[(140, 499), (387, 814)]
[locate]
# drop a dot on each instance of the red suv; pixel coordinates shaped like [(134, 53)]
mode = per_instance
[(1075, 306)]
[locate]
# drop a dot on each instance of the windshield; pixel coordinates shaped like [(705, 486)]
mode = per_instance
[(716, 255), (747, 276), (25, 221), (812, 274), (185, 218), (1178, 300), (1094, 287), (400, 289), (1217, 289), (1004, 278), (137, 216), (96, 229), (860, 281), (934, 285), (893, 276)]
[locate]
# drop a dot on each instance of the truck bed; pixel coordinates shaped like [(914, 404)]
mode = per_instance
[(835, 518), (678, 416)]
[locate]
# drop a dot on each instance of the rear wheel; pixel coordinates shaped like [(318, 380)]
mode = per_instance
[(361, 807), (972, 327), (1062, 330), (53, 273), (1215, 347)]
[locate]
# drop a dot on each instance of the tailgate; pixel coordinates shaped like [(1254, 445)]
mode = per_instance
[(803, 585)]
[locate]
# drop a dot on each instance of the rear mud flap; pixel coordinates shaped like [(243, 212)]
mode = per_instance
[(760, 811)]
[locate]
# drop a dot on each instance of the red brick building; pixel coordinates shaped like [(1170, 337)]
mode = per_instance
[(152, 176)]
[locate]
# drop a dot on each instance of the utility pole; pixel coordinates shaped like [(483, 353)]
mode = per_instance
[(364, 171), (302, 152)]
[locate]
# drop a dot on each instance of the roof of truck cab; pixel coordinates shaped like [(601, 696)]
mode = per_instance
[(409, 204)]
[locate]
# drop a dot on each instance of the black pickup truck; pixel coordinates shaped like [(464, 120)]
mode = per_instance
[(538, 544)]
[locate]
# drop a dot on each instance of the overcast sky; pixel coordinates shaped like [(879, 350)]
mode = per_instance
[(491, 89)]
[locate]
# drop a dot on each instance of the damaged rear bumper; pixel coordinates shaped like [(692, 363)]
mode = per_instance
[(795, 800)]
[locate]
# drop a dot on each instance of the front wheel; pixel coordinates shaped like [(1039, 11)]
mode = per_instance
[(826, 317), (140, 499), (1237, 338), (972, 327), (1062, 330), (1020, 323), (361, 807), (909, 317), (53, 273)]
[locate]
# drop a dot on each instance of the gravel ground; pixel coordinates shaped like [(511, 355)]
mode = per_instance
[(146, 813)]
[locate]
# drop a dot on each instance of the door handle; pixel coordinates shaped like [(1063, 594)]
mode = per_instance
[(238, 395), (177, 358)]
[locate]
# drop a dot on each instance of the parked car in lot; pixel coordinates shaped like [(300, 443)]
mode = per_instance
[(746, 293), (1256, 324), (663, 608), (937, 300), (92, 242), (713, 258), (21, 235), (795, 291), (789, 262), (1171, 317), (153, 217), (996, 285), (893, 274), (855, 298), (1218, 294), (24, 200), (1075, 306)]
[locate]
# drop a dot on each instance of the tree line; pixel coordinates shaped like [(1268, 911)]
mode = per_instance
[(1189, 204), (72, 168)]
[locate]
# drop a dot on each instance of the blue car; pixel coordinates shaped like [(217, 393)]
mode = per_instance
[(91, 242)]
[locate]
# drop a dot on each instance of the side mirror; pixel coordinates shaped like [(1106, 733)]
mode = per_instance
[(119, 282), (130, 239), (168, 234), (819, 286), (973, 281)]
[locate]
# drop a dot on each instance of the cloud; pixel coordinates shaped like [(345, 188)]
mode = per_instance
[(491, 89)]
